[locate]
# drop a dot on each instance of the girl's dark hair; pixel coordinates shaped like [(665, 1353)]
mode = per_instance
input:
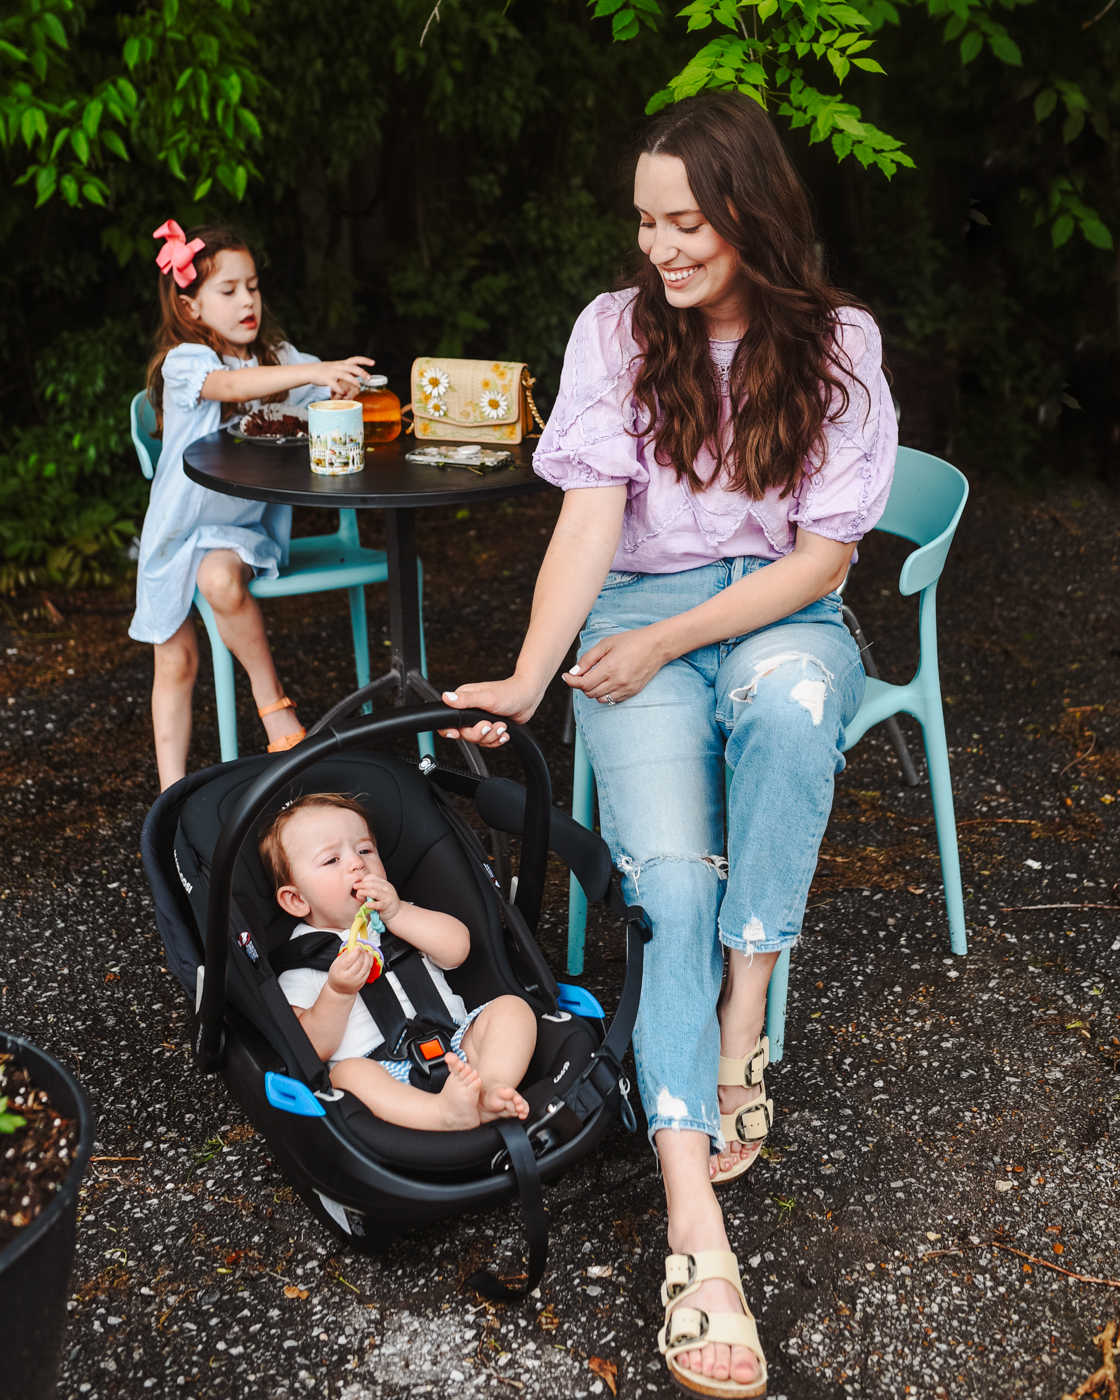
[(785, 378), (176, 325)]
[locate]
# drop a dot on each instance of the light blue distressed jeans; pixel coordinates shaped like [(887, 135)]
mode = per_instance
[(770, 705)]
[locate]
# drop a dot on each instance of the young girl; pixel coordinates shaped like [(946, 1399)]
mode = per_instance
[(724, 436), (218, 352)]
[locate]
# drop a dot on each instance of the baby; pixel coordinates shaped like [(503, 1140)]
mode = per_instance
[(323, 861)]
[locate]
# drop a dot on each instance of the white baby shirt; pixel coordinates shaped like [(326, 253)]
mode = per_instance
[(301, 985)]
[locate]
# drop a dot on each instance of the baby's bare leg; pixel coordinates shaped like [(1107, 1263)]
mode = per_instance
[(499, 1045), (455, 1106)]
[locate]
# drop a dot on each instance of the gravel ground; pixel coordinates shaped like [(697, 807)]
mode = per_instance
[(934, 1114)]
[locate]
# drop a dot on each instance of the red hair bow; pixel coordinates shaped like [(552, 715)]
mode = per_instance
[(177, 255)]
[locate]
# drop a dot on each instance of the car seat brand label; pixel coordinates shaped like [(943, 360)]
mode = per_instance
[(245, 938), (563, 1072), (186, 883)]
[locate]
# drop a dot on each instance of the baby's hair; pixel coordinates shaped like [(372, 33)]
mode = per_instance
[(271, 845), (176, 325)]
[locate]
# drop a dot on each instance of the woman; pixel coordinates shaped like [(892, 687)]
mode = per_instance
[(724, 436)]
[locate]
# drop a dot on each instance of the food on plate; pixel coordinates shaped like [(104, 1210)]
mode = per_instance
[(259, 424)]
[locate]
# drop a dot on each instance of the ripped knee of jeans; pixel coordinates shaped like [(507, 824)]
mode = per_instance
[(627, 865), (814, 680)]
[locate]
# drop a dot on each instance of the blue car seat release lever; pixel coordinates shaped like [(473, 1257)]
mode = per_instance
[(578, 1001), (292, 1096)]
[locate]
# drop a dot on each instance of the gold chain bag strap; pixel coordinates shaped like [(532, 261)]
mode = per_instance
[(473, 400)]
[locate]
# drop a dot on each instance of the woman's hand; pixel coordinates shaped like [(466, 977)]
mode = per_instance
[(514, 697), (618, 666), (342, 377)]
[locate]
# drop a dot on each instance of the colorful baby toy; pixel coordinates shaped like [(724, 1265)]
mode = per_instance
[(366, 920)]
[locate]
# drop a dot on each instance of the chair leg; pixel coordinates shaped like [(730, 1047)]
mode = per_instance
[(583, 798), (225, 695), (360, 630), (909, 772), (776, 1006), (427, 740), (941, 788)]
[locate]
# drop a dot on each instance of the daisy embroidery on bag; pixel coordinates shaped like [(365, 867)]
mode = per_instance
[(494, 405), (436, 407), (435, 381)]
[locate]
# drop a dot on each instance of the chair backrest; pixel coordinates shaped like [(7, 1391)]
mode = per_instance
[(142, 420), (925, 504)]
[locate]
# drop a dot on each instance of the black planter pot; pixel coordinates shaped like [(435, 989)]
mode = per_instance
[(35, 1266)]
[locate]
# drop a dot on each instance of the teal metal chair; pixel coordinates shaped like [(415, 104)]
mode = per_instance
[(925, 505), (316, 564)]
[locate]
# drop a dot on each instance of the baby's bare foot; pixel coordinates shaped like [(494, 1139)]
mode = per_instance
[(458, 1100), (500, 1101)]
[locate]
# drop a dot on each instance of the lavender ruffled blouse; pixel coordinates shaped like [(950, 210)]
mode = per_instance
[(667, 527)]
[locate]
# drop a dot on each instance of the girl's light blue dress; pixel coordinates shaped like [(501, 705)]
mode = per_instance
[(185, 521)]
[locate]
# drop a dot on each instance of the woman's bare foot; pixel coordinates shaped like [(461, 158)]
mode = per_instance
[(742, 1011), (732, 1097), (500, 1101), (717, 1360), (458, 1100)]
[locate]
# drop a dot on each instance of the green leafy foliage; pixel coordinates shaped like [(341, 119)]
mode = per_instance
[(471, 194), (9, 1122), (174, 86), (764, 57), (70, 498)]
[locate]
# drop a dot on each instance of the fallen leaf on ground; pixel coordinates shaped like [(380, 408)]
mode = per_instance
[(930, 1235), (547, 1321), (293, 1292), (600, 1271), (605, 1370)]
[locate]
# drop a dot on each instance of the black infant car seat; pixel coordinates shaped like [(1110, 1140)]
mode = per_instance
[(365, 1179)]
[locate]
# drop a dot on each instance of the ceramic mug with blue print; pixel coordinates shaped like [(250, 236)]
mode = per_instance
[(337, 437)]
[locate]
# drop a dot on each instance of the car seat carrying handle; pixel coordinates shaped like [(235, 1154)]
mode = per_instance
[(413, 719)]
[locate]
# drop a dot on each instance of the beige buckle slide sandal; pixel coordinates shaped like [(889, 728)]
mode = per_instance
[(749, 1124), (687, 1329)]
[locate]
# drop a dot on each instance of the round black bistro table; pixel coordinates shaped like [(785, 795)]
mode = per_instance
[(268, 472)]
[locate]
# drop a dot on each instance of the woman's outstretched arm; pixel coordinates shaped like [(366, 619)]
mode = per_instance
[(576, 563)]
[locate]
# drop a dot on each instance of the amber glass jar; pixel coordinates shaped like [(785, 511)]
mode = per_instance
[(381, 410)]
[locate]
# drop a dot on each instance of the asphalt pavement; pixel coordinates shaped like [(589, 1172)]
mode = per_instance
[(945, 1161)]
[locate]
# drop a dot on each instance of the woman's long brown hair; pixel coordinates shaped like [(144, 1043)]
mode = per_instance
[(785, 381), (176, 326)]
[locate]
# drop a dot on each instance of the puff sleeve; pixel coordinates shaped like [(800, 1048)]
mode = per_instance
[(306, 393), (845, 498), (184, 372), (589, 440)]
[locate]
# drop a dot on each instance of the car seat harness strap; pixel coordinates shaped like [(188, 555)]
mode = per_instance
[(421, 1039), (519, 1158)]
